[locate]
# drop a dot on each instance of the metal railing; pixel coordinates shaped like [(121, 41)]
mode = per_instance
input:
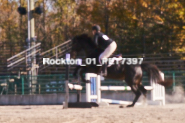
[(18, 62), (47, 84), (22, 56), (165, 61), (56, 52)]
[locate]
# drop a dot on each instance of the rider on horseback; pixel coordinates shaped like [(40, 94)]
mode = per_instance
[(104, 43)]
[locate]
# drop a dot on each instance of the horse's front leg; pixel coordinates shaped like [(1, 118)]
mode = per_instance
[(81, 72), (76, 71)]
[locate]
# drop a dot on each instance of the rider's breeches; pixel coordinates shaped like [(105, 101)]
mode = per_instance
[(108, 51)]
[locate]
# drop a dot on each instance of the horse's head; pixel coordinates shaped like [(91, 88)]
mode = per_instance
[(81, 42)]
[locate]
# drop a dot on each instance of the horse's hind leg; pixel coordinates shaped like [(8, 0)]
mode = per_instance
[(137, 93), (143, 91)]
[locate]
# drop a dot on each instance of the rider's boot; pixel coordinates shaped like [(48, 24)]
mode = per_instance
[(104, 70), (99, 70)]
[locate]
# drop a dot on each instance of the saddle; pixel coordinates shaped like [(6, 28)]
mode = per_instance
[(114, 58), (117, 56)]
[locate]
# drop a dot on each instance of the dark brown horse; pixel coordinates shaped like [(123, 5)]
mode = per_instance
[(132, 74)]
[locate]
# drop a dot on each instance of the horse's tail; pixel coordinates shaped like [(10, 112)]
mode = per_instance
[(154, 74)]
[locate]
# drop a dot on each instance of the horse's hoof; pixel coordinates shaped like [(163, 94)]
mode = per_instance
[(130, 106), (121, 106)]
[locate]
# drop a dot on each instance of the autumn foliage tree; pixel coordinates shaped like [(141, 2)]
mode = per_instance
[(138, 26)]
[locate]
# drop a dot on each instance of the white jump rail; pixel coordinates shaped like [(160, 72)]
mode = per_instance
[(69, 85), (93, 90), (158, 92)]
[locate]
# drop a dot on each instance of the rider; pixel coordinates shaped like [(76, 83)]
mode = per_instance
[(105, 43)]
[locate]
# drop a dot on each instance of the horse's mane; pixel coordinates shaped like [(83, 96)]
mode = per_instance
[(85, 38), (85, 42)]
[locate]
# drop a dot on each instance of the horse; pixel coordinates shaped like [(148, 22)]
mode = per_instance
[(132, 74)]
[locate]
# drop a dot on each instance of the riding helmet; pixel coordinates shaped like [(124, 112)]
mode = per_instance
[(96, 27)]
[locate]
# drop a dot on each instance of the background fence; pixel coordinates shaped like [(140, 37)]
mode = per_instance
[(47, 84)]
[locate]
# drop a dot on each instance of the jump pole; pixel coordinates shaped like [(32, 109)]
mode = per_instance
[(78, 103), (65, 105), (93, 90), (79, 91), (157, 91)]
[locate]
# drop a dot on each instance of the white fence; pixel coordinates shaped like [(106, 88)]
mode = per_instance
[(93, 90)]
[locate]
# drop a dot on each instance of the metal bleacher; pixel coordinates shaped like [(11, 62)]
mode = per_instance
[(56, 52), (165, 61), (17, 63), (170, 63)]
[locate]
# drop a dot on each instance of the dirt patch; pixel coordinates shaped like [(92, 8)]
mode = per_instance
[(171, 113)]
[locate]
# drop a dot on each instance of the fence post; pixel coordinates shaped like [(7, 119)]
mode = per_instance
[(39, 89), (98, 86), (173, 81), (56, 52), (15, 86), (79, 62), (22, 79), (65, 105)]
